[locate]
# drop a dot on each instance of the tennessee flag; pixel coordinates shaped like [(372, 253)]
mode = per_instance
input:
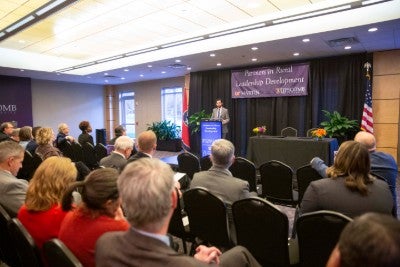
[(185, 127)]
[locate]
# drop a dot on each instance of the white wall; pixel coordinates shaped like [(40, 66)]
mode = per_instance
[(55, 102)]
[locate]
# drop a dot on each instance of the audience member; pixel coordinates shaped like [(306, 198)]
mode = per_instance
[(371, 240), (350, 189), (42, 214), (6, 129), (118, 131), (44, 139), (149, 198), (15, 135), (85, 137), (32, 145), (147, 144), (382, 164), (12, 189), (63, 136), (118, 158), (99, 212), (25, 136)]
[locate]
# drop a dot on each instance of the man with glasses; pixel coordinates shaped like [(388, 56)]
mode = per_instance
[(6, 129)]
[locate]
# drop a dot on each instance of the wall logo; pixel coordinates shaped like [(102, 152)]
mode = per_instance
[(8, 109)]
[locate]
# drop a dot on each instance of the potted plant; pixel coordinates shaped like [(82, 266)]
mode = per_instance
[(195, 119), (167, 134), (339, 126)]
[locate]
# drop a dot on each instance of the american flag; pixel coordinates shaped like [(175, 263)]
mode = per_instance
[(367, 122)]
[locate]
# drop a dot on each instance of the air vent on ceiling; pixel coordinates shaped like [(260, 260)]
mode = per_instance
[(177, 66), (342, 42), (111, 77)]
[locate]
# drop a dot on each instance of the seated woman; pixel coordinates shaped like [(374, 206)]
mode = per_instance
[(44, 139), (350, 189), (85, 137), (99, 212), (42, 214)]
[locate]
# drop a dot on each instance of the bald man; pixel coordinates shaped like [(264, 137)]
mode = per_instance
[(382, 164)]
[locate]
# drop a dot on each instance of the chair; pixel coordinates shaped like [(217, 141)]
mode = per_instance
[(207, 216), (309, 132), (277, 183), (28, 167), (25, 245), (77, 152), (8, 252), (245, 170), (188, 163), (100, 151), (89, 156), (58, 255), (263, 230), (289, 131), (177, 228), (205, 163), (318, 233), (305, 175), (67, 150)]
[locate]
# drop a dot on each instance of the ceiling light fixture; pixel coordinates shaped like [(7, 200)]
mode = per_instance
[(296, 54), (141, 51), (240, 29), (370, 2), (183, 42), (20, 23), (149, 66), (306, 40), (49, 7), (163, 72), (212, 55), (254, 48), (126, 70), (219, 64), (373, 29), (347, 47), (141, 75), (188, 68), (177, 60), (254, 59)]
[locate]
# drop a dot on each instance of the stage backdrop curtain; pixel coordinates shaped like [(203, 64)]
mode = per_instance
[(335, 83)]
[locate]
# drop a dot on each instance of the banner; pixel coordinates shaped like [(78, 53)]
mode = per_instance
[(185, 127), (271, 81)]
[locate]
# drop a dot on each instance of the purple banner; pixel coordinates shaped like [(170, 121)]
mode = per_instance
[(16, 100), (271, 81)]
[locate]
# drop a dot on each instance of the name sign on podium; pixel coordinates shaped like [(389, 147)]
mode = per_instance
[(210, 130)]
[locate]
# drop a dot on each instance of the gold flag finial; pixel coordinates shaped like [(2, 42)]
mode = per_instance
[(367, 66)]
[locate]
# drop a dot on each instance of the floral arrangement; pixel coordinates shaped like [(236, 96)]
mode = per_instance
[(260, 130), (319, 133)]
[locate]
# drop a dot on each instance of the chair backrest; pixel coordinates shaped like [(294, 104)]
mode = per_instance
[(245, 170), (309, 132), (8, 252), (28, 167), (207, 216), (318, 233), (67, 150), (25, 245), (89, 155), (305, 175), (205, 163), (263, 230), (289, 131), (77, 152), (100, 151), (58, 255), (188, 163), (276, 180)]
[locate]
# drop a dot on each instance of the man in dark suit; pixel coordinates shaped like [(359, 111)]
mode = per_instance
[(147, 144), (6, 129), (146, 187), (118, 158), (12, 189), (222, 114)]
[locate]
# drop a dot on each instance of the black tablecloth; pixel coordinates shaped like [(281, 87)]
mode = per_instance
[(294, 151)]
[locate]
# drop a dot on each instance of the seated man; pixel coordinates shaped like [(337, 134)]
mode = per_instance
[(146, 187), (118, 131), (12, 189), (370, 240), (118, 158), (382, 164), (147, 144), (6, 129)]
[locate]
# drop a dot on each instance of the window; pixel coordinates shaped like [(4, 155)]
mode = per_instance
[(127, 112), (171, 104)]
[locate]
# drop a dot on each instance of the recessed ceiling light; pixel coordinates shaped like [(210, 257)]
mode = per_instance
[(141, 75), (254, 48), (149, 66), (88, 77), (22, 70), (177, 60), (58, 73), (347, 47), (163, 72), (126, 69), (373, 29), (122, 78), (306, 40), (105, 73), (212, 55), (106, 81), (296, 54), (253, 59), (188, 68), (219, 64)]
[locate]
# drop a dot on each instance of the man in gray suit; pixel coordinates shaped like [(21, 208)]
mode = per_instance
[(12, 189), (118, 158), (146, 187), (222, 114)]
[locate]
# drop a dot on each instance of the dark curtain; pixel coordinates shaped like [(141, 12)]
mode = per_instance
[(336, 83)]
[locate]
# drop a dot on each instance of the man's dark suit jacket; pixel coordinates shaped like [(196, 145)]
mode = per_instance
[(138, 155)]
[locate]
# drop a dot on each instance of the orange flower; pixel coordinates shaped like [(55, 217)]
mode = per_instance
[(319, 133)]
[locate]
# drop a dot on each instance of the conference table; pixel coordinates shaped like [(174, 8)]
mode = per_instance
[(293, 151)]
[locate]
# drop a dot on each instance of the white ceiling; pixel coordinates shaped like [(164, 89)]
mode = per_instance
[(89, 31)]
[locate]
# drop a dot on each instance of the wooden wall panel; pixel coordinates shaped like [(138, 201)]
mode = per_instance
[(386, 62), (386, 87), (386, 111)]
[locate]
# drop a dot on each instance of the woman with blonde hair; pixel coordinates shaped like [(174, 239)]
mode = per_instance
[(42, 214), (99, 212), (349, 188), (44, 139)]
